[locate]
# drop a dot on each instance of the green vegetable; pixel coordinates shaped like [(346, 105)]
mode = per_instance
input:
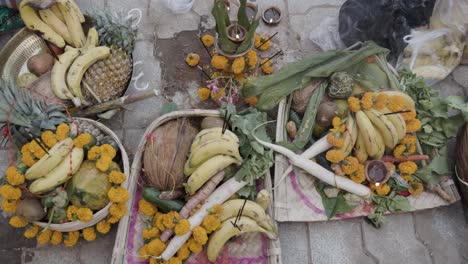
[(221, 16), (248, 38), (333, 205), (293, 116), (242, 18), (382, 204), (152, 195)]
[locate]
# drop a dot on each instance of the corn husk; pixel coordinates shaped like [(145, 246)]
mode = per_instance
[(461, 153), (165, 154)]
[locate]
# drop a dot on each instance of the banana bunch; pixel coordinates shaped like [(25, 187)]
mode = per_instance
[(54, 168), (68, 72), (211, 151), (253, 219), (59, 24)]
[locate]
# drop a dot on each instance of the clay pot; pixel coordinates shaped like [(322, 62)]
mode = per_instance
[(376, 171)]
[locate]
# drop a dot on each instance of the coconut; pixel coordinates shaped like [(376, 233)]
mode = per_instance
[(165, 153)]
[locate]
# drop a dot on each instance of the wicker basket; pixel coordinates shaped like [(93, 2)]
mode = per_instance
[(101, 214), (463, 186), (121, 250)]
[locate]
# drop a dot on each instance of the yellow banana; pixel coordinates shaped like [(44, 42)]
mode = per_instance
[(207, 170), (384, 126), (80, 65), (368, 133), (213, 148), (49, 161), (74, 26), (263, 198), (56, 24), (59, 174), (398, 122), (34, 22), (210, 134), (251, 209), (92, 39), (360, 148), (350, 136), (74, 8), (54, 8), (380, 147), (57, 77), (409, 102), (228, 230)]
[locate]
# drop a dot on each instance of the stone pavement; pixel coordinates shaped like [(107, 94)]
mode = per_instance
[(431, 236)]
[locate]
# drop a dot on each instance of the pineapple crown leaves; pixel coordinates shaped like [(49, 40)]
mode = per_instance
[(115, 28)]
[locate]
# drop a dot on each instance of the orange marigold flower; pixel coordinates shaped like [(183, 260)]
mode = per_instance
[(408, 167), (358, 176), (396, 103), (353, 104), (408, 139), (390, 166), (71, 238), (17, 222), (252, 58), (219, 62), (399, 150), (183, 252), (211, 223), (334, 140), (251, 100), (103, 163), (149, 233), (156, 247), (415, 188), (208, 40), (408, 116), (367, 100), (31, 232), (267, 66), (199, 234), (146, 207), (56, 238), (264, 43), (238, 65), (336, 122), (335, 155), (382, 189), (103, 227), (350, 165), (116, 177), (413, 126), (192, 59), (381, 101), (44, 236), (182, 227), (204, 93)]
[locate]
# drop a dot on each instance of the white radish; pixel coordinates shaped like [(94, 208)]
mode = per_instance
[(219, 196), (316, 170)]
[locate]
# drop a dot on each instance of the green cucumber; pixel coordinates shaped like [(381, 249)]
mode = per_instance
[(152, 195)]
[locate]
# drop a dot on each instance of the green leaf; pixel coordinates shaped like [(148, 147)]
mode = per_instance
[(458, 102), (248, 39), (425, 174), (242, 18), (439, 165), (333, 205), (168, 107), (222, 21), (399, 203)]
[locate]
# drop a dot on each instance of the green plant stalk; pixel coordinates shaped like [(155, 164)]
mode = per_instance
[(222, 21), (242, 18), (248, 39), (305, 130)]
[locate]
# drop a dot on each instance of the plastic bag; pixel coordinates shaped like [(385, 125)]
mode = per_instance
[(179, 6), (326, 35)]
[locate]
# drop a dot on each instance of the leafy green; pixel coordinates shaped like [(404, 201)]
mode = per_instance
[(439, 165), (242, 15), (221, 16), (256, 158), (391, 203), (333, 205)]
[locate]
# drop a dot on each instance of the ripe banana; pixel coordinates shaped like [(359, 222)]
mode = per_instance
[(73, 25), (80, 65), (59, 175), (57, 77), (409, 102), (251, 209), (71, 4), (350, 136), (34, 22), (263, 198), (368, 133), (187, 169), (380, 147), (56, 24), (92, 40), (228, 230), (56, 10), (398, 122), (49, 161), (210, 134), (360, 148), (211, 148), (207, 170), (384, 126)]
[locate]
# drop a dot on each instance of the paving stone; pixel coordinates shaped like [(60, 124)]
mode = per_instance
[(337, 242), (304, 6), (294, 243), (53, 255), (90, 4), (460, 75), (448, 86), (396, 242), (169, 24), (146, 25), (443, 231), (100, 250)]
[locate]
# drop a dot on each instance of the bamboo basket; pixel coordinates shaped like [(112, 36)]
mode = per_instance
[(121, 248), (101, 214)]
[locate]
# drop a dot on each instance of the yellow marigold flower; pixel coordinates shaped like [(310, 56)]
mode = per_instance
[(71, 238), (415, 188), (9, 206), (44, 236), (156, 247), (257, 40), (82, 140), (192, 59), (204, 93), (28, 159), (108, 150), (17, 222), (111, 219), (381, 101), (219, 62), (413, 126), (116, 177), (252, 58), (398, 151), (358, 176), (84, 214), (71, 212), (408, 167), (407, 177), (14, 177), (36, 149), (48, 138), (215, 96), (238, 65), (194, 246), (117, 195), (353, 104), (149, 233), (390, 166), (396, 103), (143, 252), (175, 260), (56, 238), (208, 40), (199, 234), (264, 43), (211, 223), (89, 234), (31, 232), (267, 66), (334, 140), (103, 227), (251, 100), (350, 165), (171, 219), (158, 221), (382, 189), (184, 252), (367, 100), (182, 227), (335, 155), (103, 163), (94, 152), (336, 122), (410, 149), (218, 209), (25, 148), (408, 139), (146, 207), (118, 210), (408, 116), (9, 192), (62, 132)]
